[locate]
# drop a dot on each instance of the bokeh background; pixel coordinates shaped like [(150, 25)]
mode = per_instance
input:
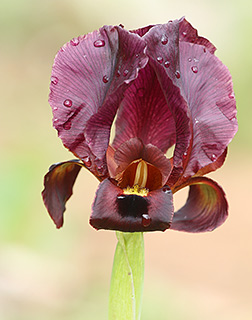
[(64, 274)]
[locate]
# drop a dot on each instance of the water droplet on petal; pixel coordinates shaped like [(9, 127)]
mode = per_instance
[(167, 64), (196, 120), (105, 79), (159, 59), (118, 73), (213, 157), (167, 189), (194, 69), (231, 95), (125, 72), (67, 125), (177, 74), (100, 169), (146, 220), (189, 59), (74, 42), (137, 55), (55, 120), (54, 80), (184, 34), (87, 161), (184, 155), (55, 108), (68, 103), (164, 39), (99, 43), (140, 92)]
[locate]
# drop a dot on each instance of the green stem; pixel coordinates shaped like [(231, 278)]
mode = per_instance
[(126, 286)]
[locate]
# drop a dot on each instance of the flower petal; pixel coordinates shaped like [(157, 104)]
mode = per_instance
[(206, 207), (89, 76), (144, 113), (163, 51), (131, 213), (207, 87), (58, 186)]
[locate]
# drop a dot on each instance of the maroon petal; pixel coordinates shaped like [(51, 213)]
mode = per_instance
[(206, 207), (163, 51), (89, 76), (207, 88), (58, 186), (144, 113), (131, 213)]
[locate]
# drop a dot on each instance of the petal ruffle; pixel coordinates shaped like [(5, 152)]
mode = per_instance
[(114, 211), (58, 188), (144, 113), (206, 207), (89, 77)]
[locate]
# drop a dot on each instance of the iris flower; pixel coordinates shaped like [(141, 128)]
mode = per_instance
[(164, 88)]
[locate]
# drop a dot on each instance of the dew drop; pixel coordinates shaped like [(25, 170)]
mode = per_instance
[(146, 220), (196, 120), (99, 43), (194, 69), (184, 155), (68, 103), (67, 125), (137, 55), (125, 72), (177, 74), (213, 157), (140, 92), (54, 80), (164, 39), (100, 169), (231, 95), (87, 161), (167, 189), (74, 42), (167, 64), (189, 59), (184, 33), (55, 108), (118, 73), (55, 121), (105, 79), (160, 60)]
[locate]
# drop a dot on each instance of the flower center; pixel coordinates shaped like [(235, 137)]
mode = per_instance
[(140, 177)]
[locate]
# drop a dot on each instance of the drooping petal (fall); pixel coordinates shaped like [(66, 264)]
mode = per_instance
[(58, 188), (144, 113), (206, 207), (89, 76), (114, 210)]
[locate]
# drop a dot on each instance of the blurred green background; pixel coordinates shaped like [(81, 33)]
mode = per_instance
[(64, 274)]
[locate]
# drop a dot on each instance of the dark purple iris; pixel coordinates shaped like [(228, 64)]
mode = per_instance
[(166, 88)]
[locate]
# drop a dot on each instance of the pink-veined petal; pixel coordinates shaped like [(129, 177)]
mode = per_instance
[(207, 87), (163, 51), (130, 213), (58, 188), (206, 207), (89, 77), (144, 113)]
